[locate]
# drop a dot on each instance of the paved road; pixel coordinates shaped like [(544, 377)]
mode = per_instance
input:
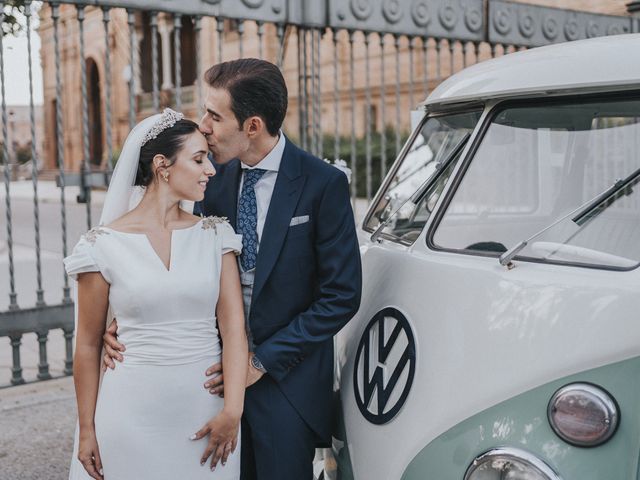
[(36, 430)]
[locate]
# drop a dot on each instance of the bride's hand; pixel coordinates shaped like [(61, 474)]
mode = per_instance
[(89, 455), (223, 437)]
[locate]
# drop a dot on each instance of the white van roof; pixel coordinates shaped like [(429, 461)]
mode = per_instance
[(612, 63)]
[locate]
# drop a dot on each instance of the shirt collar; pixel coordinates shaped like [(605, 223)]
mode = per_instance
[(272, 161)]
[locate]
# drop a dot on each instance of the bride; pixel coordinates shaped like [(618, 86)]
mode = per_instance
[(171, 280)]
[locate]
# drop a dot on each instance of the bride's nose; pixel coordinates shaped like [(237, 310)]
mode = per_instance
[(209, 171)]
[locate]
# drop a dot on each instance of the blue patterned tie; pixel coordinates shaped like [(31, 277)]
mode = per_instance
[(248, 218)]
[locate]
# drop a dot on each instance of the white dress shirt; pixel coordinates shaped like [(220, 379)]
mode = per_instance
[(264, 186)]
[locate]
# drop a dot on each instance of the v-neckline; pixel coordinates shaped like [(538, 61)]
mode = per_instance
[(154, 252), (157, 255)]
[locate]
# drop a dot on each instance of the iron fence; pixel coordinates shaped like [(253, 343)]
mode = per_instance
[(354, 68)]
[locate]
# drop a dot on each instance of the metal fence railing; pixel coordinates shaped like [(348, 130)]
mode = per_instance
[(354, 70)]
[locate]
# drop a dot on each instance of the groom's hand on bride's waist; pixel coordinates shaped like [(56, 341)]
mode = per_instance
[(112, 347), (215, 384)]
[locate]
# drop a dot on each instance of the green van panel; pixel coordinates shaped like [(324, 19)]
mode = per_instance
[(521, 422)]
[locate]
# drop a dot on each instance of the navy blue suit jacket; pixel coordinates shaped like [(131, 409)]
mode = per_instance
[(308, 276)]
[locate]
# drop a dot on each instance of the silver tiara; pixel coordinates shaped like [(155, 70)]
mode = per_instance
[(167, 120)]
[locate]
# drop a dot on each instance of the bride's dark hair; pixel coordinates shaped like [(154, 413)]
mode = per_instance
[(167, 143)]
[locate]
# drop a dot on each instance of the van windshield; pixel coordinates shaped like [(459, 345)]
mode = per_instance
[(438, 138), (537, 163)]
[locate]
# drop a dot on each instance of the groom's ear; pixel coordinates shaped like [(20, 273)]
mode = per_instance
[(254, 126)]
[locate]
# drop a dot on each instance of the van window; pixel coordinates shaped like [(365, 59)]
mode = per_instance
[(432, 151), (537, 163)]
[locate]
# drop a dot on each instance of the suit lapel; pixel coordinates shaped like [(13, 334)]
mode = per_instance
[(228, 191), (284, 200)]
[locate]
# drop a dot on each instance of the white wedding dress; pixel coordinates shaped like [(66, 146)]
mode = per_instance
[(151, 404)]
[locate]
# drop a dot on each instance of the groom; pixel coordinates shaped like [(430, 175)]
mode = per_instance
[(300, 265)]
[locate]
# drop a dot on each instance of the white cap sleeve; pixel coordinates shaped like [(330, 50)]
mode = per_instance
[(81, 260), (231, 241)]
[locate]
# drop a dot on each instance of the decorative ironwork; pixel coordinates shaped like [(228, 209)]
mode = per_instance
[(106, 19), (265, 10), (177, 51), (13, 304), (34, 160), (55, 14), (43, 366), (153, 23), (532, 26), (383, 113), (16, 370), (459, 19), (133, 60)]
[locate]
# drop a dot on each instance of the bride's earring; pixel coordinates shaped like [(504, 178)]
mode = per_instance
[(165, 175)]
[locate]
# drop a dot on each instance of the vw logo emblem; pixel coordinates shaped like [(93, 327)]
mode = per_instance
[(385, 366)]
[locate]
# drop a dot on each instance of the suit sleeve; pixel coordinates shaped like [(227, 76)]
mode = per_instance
[(339, 280)]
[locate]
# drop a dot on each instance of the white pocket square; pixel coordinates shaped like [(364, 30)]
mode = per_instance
[(299, 220)]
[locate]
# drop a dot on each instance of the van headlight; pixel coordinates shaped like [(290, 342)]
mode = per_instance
[(509, 464), (583, 414)]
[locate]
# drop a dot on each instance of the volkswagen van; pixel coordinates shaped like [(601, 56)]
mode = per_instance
[(499, 332)]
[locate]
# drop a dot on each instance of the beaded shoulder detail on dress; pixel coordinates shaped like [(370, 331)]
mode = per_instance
[(213, 222), (93, 234)]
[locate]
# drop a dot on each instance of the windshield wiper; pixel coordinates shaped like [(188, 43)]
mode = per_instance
[(415, 197), (606, 198), (583, 213)]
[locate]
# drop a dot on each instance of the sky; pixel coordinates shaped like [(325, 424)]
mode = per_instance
[(16, 73)]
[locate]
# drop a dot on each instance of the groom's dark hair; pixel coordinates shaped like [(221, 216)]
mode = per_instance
[(256, 88)]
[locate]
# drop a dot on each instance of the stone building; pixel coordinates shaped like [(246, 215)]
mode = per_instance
[(117, 44), (441, 60)]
